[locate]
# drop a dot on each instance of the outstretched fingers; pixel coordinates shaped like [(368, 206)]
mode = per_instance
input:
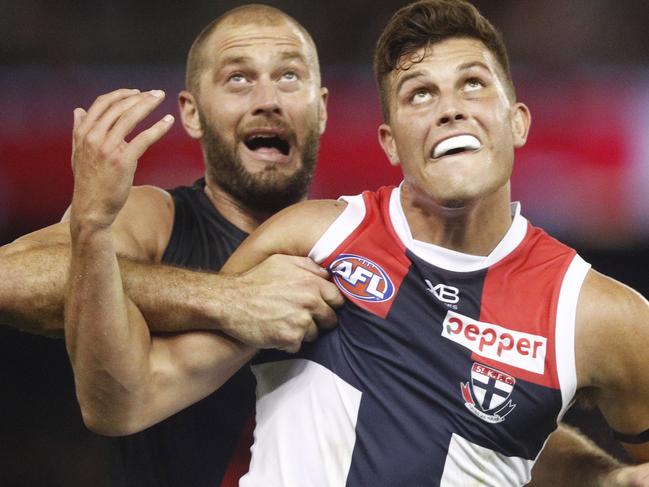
[(128, 118), (99, 107), (150, 136)]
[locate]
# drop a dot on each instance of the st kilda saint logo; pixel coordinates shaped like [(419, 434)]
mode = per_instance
[(488, 393), (361, 278)]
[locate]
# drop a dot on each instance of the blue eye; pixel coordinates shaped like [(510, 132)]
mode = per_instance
[(290, 76), (420, 96), (237, 78), (473, 84)]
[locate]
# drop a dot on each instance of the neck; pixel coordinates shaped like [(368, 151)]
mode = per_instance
[(232, 209), (475, 228)]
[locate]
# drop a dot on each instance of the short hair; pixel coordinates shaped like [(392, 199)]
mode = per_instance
[(427, 22), (245, 14)]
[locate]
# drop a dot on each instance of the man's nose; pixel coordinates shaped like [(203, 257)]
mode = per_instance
[(451, 112), (266, 98)]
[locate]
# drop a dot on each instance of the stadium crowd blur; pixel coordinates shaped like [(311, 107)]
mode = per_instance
[(581, 65)]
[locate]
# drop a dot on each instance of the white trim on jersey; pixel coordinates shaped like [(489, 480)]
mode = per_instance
[(471, 464), (309, 440), (564, 335), (451, 259), (340, 229)]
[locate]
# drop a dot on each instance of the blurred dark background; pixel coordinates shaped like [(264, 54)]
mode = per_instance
[(581, 65)]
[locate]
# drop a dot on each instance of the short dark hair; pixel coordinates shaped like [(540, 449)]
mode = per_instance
[(427, 22)]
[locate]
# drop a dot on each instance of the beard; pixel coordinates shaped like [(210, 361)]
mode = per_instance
[(267, 191)]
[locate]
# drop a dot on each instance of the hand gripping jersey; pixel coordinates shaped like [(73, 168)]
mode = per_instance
[(446, 369)]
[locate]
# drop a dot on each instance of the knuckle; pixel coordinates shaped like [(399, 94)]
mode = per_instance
[(295, 334), (93, 139), (312, 334), (105, 153), (288, 339)]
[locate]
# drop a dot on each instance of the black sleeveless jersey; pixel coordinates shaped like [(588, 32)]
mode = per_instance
[(203, 445)]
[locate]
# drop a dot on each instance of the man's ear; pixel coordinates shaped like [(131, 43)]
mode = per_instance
[(324, 97), (386, 139), (521, 121), (189, 114)]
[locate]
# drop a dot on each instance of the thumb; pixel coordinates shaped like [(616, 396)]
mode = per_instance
[(78, 114)]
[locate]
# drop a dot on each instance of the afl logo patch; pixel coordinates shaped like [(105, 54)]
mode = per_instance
[(361, 278)]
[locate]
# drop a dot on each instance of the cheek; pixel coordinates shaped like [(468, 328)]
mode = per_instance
[(410, 133), (304, 115)]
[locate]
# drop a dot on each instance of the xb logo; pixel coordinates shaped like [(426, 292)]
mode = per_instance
[(446, 294)]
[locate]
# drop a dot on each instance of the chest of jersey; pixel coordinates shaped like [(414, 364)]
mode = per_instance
[(445, 375)]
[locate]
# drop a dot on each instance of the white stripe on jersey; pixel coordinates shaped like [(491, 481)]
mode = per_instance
[(468, 464), (564, 337), (340, 229), (309, 440)]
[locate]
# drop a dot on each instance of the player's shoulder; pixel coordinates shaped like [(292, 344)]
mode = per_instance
[(611, 320), (145, 222), (326, 209), (150, 195), (604, 297), (295, 229)]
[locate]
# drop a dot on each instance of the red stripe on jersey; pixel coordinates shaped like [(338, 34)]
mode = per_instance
[(379, 245), (521, 293), (240, 460)]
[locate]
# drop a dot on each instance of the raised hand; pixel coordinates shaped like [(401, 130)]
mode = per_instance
[(103, 162)]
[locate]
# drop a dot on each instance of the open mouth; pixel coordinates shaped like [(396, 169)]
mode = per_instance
[(456, 145), (268, 141)]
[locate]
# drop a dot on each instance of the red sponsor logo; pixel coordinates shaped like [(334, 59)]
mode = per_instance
[(520, 349)]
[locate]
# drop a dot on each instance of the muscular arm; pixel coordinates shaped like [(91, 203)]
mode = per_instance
[(126, 379), (114, 356), (34, 276), (612, 340), (568, 456), (172, 299)]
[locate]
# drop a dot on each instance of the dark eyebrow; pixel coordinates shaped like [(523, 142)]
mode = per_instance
[(408, 77)]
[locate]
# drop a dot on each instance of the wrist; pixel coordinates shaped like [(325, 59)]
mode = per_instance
[(218, 312), (85, 225), (86, 234)]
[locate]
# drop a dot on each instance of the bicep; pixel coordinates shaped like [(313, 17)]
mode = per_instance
[(187, 367), (611, 352)]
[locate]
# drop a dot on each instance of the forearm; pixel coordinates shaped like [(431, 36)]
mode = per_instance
[(32, 286), (106, 337), (569, 455), (172, 299), (125, 379)]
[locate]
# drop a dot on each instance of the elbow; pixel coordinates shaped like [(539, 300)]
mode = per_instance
[(104, 425), (110, 421)]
